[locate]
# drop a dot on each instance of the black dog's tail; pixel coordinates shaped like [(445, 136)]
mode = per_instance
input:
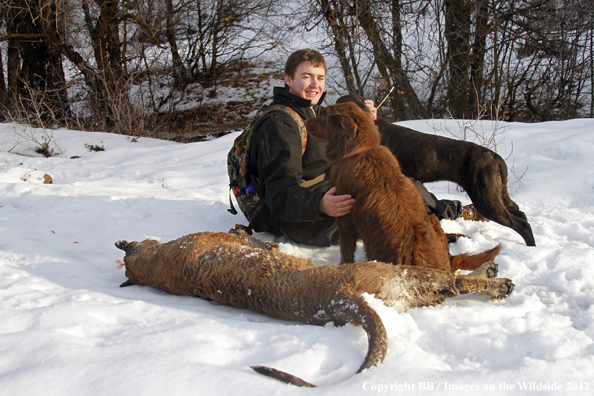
[(351, 309)]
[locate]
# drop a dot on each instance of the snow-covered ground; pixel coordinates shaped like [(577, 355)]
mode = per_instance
[(66, 328)]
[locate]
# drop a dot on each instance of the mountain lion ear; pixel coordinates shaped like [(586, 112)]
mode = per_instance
[(127, 283), (131, 282), (124, 245)]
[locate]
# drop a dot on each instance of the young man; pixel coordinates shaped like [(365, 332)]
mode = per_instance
[(295, 184), (292, 182)]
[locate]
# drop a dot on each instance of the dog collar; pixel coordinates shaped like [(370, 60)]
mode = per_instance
[(352, 154)]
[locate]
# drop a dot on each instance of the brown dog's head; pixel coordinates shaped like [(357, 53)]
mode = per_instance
[(346, 127)]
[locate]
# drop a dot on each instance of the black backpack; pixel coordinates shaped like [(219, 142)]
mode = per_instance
[(243, 185)]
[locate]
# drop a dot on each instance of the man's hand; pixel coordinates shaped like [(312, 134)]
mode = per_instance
[(336, 205), (371, 106)]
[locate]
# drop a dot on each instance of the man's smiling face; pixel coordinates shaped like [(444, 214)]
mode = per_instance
[(309, 82)]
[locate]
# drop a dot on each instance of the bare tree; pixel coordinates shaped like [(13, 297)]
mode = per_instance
[(457, 32), (128, 62), (33, 66)]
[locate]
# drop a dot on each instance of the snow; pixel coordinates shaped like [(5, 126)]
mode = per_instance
[(67, 328)]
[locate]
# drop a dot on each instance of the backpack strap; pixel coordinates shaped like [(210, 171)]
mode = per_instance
[(296, 117)]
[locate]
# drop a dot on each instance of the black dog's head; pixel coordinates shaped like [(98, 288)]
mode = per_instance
[(356, 100)]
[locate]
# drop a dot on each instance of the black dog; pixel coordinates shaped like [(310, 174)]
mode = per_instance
[(481, 172)]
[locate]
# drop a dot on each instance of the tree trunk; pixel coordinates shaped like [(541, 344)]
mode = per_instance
[(2, 81), (339, 30), (35, 71), (477, 56), (109, 85), (397, 100), (591, 73), (457, 32), (13, 69), (180, 73), (389, 68)]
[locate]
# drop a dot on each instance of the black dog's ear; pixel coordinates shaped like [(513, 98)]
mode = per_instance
[(354, 99)]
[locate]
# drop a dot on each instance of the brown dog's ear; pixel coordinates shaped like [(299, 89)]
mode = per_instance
[(315, 127), (346, 123)]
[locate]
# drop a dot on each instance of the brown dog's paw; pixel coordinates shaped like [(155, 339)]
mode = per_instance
[(487, 270), (505, 289)]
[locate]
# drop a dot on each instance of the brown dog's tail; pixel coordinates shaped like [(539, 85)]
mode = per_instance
[(351, 309), (470, 262)]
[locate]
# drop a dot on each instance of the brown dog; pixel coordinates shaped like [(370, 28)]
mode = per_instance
[(389, 214), (237, 271), (481, 172)]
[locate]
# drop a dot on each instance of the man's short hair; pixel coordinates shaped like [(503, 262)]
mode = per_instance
[(304, 55)]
